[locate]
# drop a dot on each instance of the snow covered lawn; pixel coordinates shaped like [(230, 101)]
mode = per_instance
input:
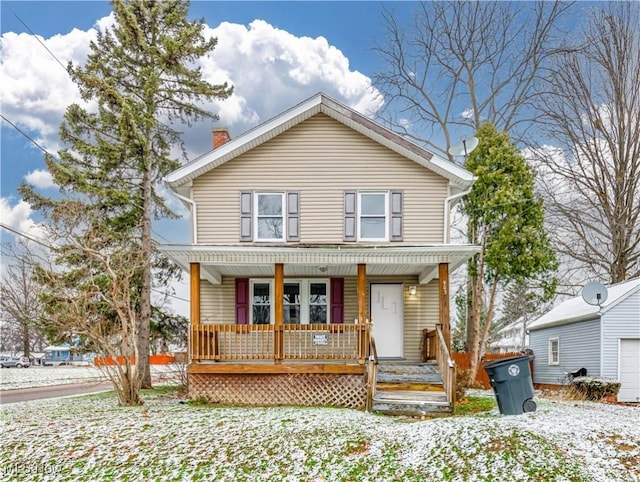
[(13, 378), (90, 438)]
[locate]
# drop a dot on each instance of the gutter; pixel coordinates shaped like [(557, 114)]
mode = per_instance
[(194, 215), (445, 237)]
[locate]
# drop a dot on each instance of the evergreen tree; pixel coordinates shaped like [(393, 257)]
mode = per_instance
[(140, 74), (506, 220)]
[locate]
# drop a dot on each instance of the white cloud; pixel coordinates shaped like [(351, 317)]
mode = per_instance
[(19, 218), (40, 178), (467, 114)]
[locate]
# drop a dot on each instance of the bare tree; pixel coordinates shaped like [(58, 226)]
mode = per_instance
[(592, 113), (91, 292), (462, 63), (19, 295)]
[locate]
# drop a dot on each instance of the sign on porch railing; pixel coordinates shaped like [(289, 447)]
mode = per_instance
[(320, 339)]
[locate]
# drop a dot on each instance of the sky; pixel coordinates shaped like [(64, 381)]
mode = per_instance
[(275, 54)]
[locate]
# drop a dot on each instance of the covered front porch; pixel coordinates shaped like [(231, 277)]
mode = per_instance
[(328, 363)]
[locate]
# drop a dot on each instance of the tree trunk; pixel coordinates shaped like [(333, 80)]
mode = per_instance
[(144, 322)]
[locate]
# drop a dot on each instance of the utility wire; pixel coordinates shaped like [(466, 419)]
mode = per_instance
[(39, 41), (25, 134)]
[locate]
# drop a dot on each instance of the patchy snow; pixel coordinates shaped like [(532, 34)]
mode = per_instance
[(90, 438)]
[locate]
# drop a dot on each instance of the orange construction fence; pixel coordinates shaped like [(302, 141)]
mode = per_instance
[(153, 360)]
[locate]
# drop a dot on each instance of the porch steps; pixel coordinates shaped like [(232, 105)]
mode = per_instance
[(410, 389)]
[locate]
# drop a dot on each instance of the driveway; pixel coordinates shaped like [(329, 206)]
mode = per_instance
[(53, 391)]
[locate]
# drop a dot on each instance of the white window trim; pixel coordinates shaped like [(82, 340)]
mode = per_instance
[(305, 289), (551, 340), (283, 216), (386, 215)]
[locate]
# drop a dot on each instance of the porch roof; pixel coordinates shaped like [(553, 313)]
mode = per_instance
[(330, 261)]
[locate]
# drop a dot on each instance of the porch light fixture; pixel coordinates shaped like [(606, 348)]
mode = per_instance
[(412, 290)]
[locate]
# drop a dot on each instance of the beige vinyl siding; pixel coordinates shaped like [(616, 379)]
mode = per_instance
[(218, 302), (321, 159)]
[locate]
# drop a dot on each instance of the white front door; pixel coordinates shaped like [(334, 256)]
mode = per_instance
[(387, 315), (629, 371)]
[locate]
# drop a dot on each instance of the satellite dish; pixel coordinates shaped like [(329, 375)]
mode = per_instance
[(464, 147), (594, 293)]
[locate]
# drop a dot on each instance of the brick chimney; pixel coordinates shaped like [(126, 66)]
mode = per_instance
[(220, 136)]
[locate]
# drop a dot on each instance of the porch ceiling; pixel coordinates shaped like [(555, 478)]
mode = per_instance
[(329, 261)]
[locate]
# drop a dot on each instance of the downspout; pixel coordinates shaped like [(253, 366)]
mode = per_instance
[(448, 200), (194, 218)]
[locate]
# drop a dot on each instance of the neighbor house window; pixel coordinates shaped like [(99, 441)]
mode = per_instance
[(373, 216), (554, 351), (305, 302), (270, 211)]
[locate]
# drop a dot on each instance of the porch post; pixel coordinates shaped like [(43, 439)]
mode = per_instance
[(443, 295), (194, 307), (362, 311), (278, 341)]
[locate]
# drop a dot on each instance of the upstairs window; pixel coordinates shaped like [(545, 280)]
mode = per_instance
[(373, 215), (270, 216)]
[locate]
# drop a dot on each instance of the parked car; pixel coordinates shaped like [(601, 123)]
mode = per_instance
[(18, 362)]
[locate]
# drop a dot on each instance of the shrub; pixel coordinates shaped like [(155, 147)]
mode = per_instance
[(592, 388)]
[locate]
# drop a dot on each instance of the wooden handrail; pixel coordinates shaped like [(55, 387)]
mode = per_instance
[(372, 370), (447, 367)]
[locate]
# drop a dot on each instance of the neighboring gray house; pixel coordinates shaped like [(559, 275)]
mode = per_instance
[(603, 339)]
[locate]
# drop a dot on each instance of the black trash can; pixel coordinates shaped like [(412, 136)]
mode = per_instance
[(512, 384)]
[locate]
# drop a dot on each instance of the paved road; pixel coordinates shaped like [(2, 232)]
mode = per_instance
[(53, 391)]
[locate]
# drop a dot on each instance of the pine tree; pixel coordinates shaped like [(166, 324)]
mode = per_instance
[(140, 74), (506, 220)]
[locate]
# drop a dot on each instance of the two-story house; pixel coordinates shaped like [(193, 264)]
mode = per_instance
[(312, 235)]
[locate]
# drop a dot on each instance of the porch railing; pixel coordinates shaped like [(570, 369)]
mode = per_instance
[(446, 365), (278, 342)]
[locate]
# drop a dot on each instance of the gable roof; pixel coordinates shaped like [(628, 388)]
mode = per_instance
[(576, 309), (460, 179)]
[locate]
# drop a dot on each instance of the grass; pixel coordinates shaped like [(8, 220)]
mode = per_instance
[(473, 405), (91, 438)]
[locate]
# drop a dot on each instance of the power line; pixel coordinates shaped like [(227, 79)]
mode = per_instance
[(39, 41), (24, 235), (25, 134)]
